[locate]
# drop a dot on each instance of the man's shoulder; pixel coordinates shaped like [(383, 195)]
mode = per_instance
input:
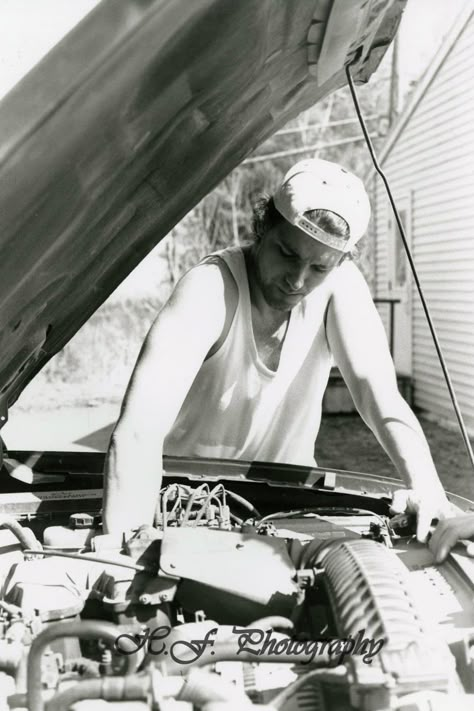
[(350, 293), (343, 280), (214, 275), (208, 279), (348, 271), (348, 279), (209, 287)]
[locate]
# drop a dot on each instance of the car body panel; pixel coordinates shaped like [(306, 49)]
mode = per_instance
[(125, 125)]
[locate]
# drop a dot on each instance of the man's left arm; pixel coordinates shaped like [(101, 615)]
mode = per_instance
[(359, 345)]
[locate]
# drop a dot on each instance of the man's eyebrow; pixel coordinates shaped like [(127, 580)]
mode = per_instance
[(288, 249), (318, 265)]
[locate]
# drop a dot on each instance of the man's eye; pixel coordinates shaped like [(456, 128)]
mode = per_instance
[(320, 269)]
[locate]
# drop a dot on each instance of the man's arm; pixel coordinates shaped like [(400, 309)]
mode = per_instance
[(176, 346), (358, 342)]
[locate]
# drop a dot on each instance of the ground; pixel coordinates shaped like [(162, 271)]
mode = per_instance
[(345, 442)]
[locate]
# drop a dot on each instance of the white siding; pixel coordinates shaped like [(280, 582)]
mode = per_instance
[(433, 156)]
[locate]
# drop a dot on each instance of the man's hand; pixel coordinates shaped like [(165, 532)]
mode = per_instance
[(427, 504), (449, 532)]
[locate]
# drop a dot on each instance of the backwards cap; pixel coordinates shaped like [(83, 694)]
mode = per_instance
[(319, 184)]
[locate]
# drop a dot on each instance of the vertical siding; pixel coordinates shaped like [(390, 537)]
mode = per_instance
[(434, 157)]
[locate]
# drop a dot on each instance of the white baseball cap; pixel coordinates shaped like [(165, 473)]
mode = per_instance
[(319, 184)]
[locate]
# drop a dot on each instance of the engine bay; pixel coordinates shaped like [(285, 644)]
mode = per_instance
[(232, 600)]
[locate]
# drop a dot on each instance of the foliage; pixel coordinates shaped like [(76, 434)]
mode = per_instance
[(327, 130), (96, 364)]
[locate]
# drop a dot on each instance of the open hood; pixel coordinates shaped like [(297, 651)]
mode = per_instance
[(137, 114)]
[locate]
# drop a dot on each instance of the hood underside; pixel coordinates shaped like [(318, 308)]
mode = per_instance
[(129, 122)]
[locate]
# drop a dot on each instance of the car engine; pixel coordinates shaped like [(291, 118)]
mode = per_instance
[(219, 606)]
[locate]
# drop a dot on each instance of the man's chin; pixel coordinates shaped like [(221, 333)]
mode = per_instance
[(281, 301)]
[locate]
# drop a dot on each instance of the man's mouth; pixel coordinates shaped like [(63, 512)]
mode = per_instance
[(290, 293)]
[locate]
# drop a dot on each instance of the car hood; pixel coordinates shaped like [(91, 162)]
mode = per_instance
[(121, 129)]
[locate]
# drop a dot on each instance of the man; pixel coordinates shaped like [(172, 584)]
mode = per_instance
[(237, 361), (450, 532)]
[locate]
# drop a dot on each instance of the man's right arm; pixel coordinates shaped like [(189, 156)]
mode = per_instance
[(177, 344)]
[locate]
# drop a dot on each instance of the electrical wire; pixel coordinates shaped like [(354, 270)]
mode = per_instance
[(212, 494), (434, 336), (243, 502), (199, 491), (91, 558)]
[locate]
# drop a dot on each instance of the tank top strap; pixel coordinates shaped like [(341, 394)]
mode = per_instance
[(234, 259)]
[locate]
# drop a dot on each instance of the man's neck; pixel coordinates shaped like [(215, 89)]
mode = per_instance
[(265, 313)]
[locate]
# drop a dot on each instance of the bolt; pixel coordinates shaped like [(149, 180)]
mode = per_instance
[(239, 546), (172, 565), (145, 599), (163, 597)]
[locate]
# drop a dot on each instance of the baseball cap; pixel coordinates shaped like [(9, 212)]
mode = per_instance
[(320, 184)]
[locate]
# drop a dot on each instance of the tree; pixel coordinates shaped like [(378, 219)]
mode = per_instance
[(329, 130)]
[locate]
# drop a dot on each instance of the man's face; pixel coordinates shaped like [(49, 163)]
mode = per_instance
[(290, 264)]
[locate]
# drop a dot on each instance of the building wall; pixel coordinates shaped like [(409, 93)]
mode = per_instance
[(433, 159)]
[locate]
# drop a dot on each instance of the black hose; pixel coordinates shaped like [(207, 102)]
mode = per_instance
[(83, 629), (246, 504)]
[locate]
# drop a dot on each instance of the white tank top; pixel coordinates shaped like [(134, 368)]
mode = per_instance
[(237, 408)]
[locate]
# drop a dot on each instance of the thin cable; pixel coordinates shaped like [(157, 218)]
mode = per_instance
[(202, 510), (91, 558), (199, 491), (319, 126), (306, 149), (413, 269)]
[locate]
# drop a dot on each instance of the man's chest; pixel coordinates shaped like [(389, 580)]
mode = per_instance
[(269, 340)]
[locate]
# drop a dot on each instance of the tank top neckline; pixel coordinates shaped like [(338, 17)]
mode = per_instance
[(247, 314)]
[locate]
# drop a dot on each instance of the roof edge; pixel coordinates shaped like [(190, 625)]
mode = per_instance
[(428, 76)]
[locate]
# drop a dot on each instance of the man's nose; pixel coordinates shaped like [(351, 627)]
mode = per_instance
[(295, 277)]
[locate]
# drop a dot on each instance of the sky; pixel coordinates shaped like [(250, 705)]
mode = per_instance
[(423, 26)]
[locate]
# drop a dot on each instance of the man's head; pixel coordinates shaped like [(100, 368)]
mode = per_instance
[(310, 226)]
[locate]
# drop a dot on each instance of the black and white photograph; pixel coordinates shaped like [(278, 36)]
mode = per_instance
[(237, 355)]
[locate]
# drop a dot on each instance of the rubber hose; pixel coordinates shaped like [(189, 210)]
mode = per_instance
[(229, 652), (201, 688), (111, 688), (83, 629), (281, 699), (25, 535)]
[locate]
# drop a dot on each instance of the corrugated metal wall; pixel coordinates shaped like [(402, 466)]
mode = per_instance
[(434, 158)]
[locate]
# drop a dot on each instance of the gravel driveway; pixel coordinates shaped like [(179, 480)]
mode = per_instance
[(345, 442)]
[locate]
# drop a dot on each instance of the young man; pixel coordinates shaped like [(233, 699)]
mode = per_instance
[(449, 532), (237, 361)]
